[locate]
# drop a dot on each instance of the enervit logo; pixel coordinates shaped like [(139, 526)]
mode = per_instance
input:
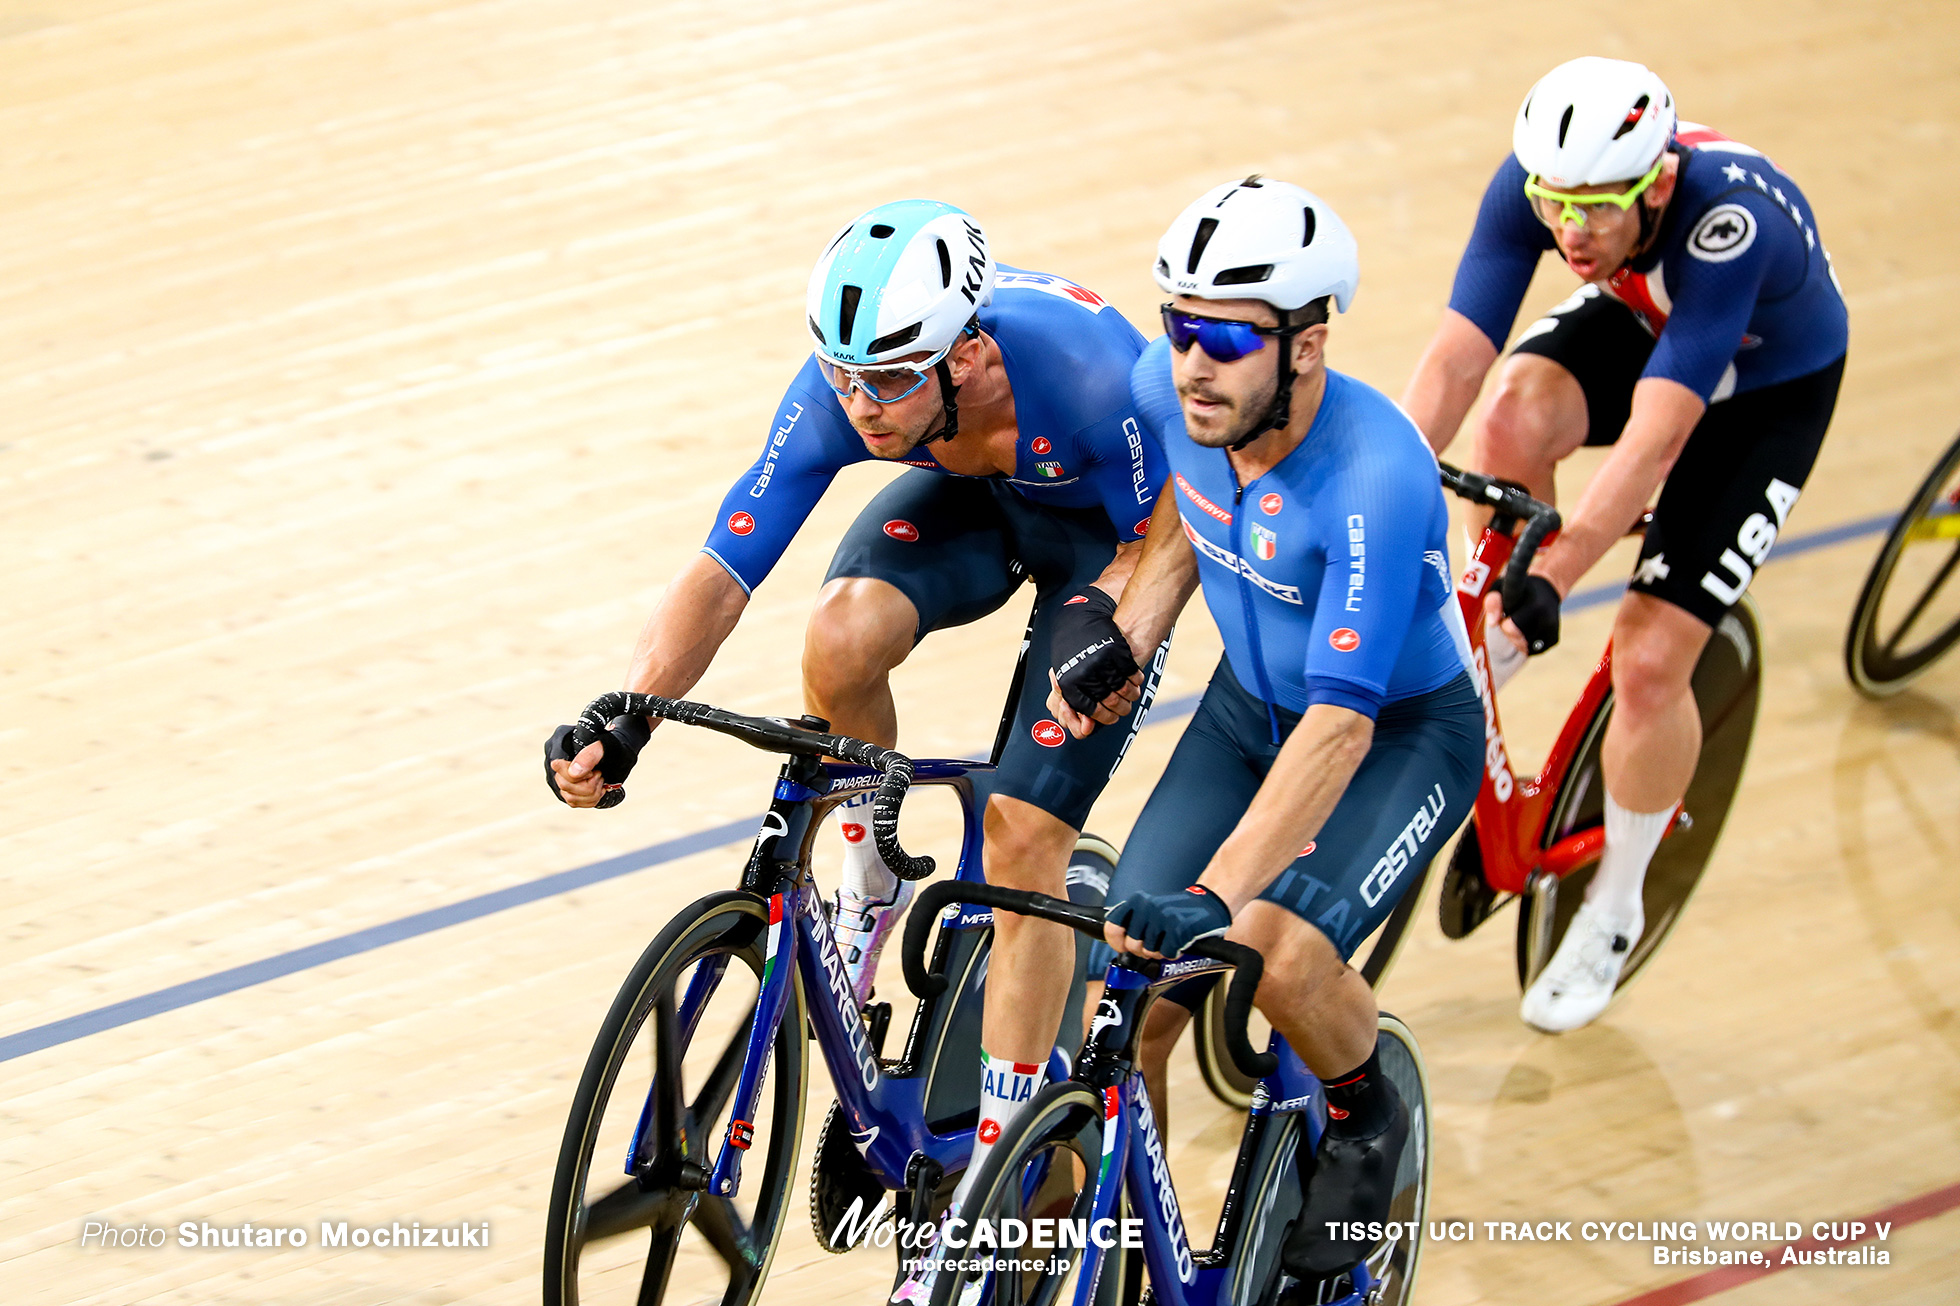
[(1041, 445), (900, 529), (1344, 640), (741, 523), (1048, 734), (1209, 508), (1271, 504)]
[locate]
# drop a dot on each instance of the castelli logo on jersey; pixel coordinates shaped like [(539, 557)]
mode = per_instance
[(1040, 444), (853, 832), (1271, 504), (1048, 734), (1335, 1112), (741, 523), (1080, 598), (989, 1131), (1142, 527), (901, 529), (1344, 640), (1308, 850)]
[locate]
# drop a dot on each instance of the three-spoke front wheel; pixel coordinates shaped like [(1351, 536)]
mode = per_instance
[(1909, 612), (631, 1220)]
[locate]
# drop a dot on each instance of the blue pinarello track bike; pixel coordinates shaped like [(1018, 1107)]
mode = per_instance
[(1087, 1150), (676, 1171)]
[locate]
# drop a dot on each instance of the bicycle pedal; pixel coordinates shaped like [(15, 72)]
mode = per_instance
[(839, 1179), (1465, 899)]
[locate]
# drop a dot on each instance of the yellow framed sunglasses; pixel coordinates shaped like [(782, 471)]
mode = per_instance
[(1572, 208)]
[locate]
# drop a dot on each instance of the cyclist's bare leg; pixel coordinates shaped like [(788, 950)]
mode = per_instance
[(859, 630), (1652, 743), (1026, 848), (1654, 736), (1536, 416), (1308, 991)]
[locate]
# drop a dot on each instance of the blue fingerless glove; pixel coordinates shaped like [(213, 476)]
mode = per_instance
[(1169, 923)]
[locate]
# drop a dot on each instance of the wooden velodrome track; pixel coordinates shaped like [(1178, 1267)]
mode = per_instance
[(367, 368)]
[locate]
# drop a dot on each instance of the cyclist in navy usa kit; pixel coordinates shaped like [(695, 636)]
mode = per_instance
[(1340, 741), (1706, 346), (1008, 393)]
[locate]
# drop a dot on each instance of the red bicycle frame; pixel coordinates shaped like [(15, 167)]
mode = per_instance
[(1511, 814)]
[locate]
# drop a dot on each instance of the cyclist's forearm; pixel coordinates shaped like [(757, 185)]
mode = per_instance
[(1448, 378), (1664, 415), (1307, 780), (697, 612), (1164, 579), (1121, 567)]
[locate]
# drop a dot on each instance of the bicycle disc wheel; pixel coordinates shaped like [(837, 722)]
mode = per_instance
[(1908, 614), (630, 1220), (1727, 684), (1222, 1075), (1042, 1168), (1274, 1191)]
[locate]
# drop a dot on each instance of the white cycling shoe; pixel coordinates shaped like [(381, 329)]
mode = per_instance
[(862, 925), (1578, 982)]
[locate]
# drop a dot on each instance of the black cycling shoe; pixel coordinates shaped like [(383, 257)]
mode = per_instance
[(1353, 1181)]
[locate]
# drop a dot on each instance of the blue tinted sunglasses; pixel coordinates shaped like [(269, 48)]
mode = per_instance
[(1222, 339)]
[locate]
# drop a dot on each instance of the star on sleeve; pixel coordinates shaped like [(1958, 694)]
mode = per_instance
[(1757, 177), (1735, 172)]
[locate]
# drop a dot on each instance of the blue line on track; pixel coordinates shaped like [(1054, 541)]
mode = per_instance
[(217, 985)]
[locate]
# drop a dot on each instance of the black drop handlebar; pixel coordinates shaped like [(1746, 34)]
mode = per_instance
[(1540, 520), (773, 735), (1087, 920)]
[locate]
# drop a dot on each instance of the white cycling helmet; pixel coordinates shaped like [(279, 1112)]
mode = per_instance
[(904, 277), (1260, 239), (1593, 121)]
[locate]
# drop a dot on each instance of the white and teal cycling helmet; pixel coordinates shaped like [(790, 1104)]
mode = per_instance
[(903, 278)]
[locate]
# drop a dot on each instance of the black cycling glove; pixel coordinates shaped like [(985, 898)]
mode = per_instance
[(1090, 655), (624, 737), (1168, 923), (1537, 616)]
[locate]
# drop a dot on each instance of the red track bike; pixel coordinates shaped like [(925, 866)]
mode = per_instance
[(1537, 839)]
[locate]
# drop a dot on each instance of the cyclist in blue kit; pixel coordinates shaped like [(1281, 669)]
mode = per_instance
[(1706, 346), (1008, 394), (1340, 741)]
